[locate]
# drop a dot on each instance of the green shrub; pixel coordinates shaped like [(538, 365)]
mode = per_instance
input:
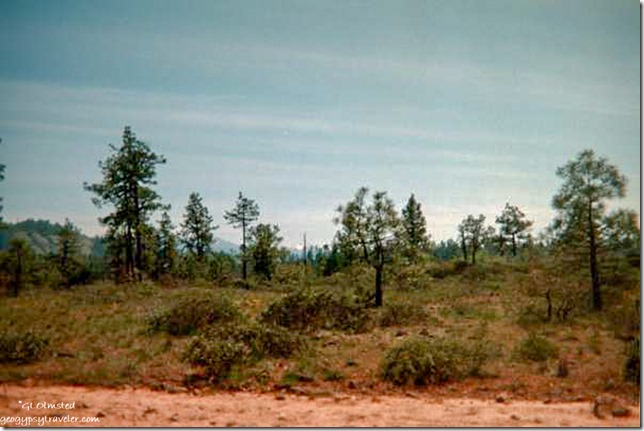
[(442, 270), (401, 313), (21, 347), (261, 339), (217, 357), (332, 376), (536, 348), (423, 361), (220, 349), (193, 311), (310, 309)]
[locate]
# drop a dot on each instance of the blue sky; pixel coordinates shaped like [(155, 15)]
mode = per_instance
[(467, 104)]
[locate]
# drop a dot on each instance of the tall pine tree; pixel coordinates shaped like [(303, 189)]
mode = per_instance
[(414, 238), (128, 175), (588, 181), (197, 227), (246, 211)]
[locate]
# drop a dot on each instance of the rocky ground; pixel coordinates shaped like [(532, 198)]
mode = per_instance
[(81, 406)]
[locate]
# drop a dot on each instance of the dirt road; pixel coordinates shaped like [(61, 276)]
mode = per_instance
[(79, 406)]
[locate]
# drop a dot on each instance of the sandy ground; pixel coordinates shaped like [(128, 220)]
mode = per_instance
[(144, 408)]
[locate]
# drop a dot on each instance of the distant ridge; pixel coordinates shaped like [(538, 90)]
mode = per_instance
[(41, 235)]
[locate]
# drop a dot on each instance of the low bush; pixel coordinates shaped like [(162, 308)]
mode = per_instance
[(535, 348), (21, 347), (193, 311), (218, 358), (311, 309), (220, 349), (442, 270), (423, 361), (261, 339), (401, 313)]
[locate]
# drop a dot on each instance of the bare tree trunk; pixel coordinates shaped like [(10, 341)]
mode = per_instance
[(514, 245), (379, 269), (464, 247), (594, 272), (129, 259), (243, 256)]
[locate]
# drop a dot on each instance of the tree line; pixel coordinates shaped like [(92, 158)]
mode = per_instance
[(370, 230)]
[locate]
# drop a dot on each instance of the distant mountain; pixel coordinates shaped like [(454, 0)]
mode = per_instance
[(42, 237), (224, 246)]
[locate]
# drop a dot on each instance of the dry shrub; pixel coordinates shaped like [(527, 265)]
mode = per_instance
[(21, 347), (192, 311), (311, 309), (423, 361)]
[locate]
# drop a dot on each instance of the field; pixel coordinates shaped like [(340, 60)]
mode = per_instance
[(490, 318)]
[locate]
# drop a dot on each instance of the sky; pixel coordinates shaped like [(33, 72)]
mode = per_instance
[(467, 104)]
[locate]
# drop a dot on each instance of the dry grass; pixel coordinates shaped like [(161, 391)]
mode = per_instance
[(98, 335)]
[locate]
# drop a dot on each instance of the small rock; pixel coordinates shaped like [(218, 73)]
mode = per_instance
[(174, 418), (411, 395), (280, 397), (299, 391), (401, 333), (608, 404), (148, 410), (621, 412), (500, 399), (514, 417), (100, 415), (352, 385)]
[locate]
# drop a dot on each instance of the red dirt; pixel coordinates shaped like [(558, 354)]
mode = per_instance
[(145, 408)]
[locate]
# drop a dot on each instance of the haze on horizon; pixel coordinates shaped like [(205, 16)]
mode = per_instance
[(466, 104)]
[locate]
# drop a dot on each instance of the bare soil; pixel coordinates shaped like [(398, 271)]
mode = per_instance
[(145, 408)]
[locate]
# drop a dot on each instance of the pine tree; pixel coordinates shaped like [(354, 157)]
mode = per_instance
[(580, 203), (513, 226), (128, 175), (414, 231), (246, 211), (68, 252), (166, 242), (264, 248), (473, 235), (197, 227), (369, 231)]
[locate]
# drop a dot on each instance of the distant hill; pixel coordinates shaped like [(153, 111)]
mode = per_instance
[(225, 246), (41, 235)]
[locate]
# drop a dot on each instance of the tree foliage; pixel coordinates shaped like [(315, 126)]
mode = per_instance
[(588, 181), (128, 175), (513, 227), (473, 235), (414, 237), (166, 243), (369, 232), (246, 212), (197, 227), (264, 249), (69, 253)]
